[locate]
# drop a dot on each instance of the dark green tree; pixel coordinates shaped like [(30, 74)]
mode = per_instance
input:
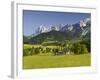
[(36, 51), (32, 51), (83, 49), (26, 51), (76, 48)]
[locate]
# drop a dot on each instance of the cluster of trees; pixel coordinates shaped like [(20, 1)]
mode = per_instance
[(34, 51), (79, 48), (67, 47)]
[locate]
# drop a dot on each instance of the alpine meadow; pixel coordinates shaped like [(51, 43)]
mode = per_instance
[(56, 39)]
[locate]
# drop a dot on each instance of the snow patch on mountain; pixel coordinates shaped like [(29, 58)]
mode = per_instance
[(83, 23), (61, 27)]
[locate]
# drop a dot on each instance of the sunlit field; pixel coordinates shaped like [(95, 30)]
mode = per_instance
[(50, 61)]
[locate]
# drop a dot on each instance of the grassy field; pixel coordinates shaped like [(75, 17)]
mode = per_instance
[(30, 46), (51, 61)]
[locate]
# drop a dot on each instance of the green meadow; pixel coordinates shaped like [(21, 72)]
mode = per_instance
[(51, 61)]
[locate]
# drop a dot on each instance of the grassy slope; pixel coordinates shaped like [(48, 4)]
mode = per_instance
[(50, 61)]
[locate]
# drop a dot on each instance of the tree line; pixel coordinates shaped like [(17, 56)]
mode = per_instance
[(81, 47)]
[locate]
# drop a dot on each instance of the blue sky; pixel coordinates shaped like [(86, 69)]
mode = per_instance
[(33, 19)]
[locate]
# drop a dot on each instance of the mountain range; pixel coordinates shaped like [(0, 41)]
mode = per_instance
[(79, 30)]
